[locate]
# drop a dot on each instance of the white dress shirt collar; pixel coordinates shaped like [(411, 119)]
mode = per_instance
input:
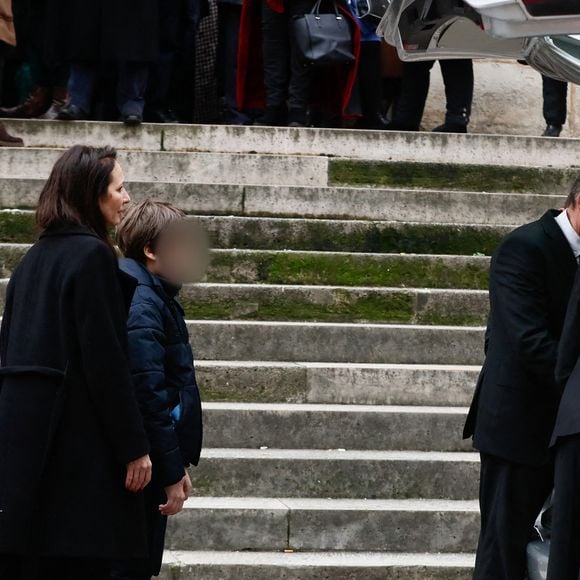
[(569, 233)]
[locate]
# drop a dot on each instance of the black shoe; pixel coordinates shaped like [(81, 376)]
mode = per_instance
[(273, 117), (375, 123), (398, 126), (132, 120), (161, 116), (297, 118), (450, 128), (552, 131), (71, 113)]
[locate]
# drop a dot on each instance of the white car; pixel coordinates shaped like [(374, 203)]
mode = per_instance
[(543, 33)]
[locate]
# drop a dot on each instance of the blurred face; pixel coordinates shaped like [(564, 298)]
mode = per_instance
[(181, 254), (114, 202)]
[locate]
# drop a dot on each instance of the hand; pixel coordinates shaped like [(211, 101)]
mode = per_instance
[(138, 474), (176, 496)]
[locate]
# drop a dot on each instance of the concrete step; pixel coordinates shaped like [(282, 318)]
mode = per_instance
[(341, 342), (325, 268), (502, 150), (315, 234), (26, 163), (337, 383), (330, 304), (354, 474), (212, 565), (226, 523), (308, 426), (393, 205)]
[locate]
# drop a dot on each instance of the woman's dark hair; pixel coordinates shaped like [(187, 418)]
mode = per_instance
[(79, 178)]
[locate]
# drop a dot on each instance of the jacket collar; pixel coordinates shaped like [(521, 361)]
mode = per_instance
[(146, 278), (562, 248), (69, 230)]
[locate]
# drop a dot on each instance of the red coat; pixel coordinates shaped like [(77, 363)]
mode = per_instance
[(332, 86)]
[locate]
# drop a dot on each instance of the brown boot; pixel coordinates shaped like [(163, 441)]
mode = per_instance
[(59, 98), (35, 105), (7, 140)]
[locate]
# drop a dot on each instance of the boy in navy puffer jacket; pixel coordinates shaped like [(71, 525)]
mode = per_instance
[(162, 251)]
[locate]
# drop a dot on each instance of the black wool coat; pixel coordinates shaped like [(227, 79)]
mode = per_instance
[(62, 488), (516, 399), (106, 30)]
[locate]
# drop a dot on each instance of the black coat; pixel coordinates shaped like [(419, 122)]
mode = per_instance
[(568, 369), (161, 361), (516, 399), (66, 309), (107, 30)]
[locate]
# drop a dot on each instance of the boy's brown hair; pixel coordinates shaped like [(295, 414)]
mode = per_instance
[(142, 224)]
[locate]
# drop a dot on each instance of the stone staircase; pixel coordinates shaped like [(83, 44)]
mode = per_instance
[(338, 335)]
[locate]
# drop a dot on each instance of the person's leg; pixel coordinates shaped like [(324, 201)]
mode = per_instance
[(564, 561), (81, 88), (131, 87), (276, 56), (10, 566), (555, 95), (300, 73), (370, 86), (458, 80), (414, 90), (511, 497)]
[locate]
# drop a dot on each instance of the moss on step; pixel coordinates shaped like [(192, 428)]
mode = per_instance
[(451, 177), (17, 227)]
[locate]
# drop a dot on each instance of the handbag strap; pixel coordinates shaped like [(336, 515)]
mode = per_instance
[(316, 9)]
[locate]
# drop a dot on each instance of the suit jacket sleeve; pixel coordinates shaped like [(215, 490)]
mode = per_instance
[(518, 290), (102, 334), (569, 349), (147, 355)]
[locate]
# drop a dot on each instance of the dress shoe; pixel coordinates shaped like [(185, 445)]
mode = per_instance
[(7, 140), (71, 112), (297, 118), (161, 116), (450, 128), (36, 104), (59, 98), (400, 126), (552, 131), (375, 123), (273, 117), (132, 120)]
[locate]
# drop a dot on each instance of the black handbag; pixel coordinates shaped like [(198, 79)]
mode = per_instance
[(323, 39)]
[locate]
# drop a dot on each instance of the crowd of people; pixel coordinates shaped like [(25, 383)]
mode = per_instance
[(217, 61)]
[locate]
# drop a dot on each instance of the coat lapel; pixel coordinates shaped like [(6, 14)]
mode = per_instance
[(562, 250)]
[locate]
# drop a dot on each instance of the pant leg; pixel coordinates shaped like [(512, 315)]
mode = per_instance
[(555, 95), (565, 543), (414, 91), (227, 61), (369, 77), (458, 80), (9, 566), (276, 49), (131, 87), (81, 86), (511, 497), (300, 74)]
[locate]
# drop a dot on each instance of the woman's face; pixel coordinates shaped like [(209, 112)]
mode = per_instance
[(113, 203)]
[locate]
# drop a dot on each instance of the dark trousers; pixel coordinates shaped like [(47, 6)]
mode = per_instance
[(229, 17), (144, 568), (555, 95), (30, 568), (131, 86), (370, 83), (511, 496), (458, 80), (285, 76), (565, 544)]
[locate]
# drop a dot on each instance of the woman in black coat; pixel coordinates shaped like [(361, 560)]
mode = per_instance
[(73, 450)]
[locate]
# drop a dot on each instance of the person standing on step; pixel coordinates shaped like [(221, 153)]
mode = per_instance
[(555, 95), (516, 399), (73, 447), (162, 252), (124, 35), (7, 39)]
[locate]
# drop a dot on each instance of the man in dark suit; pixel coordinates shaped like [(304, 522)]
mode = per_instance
[(514, 408), (565, 547)]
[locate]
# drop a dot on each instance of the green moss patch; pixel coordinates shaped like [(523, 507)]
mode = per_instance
[(17, 227), (451, 177)]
